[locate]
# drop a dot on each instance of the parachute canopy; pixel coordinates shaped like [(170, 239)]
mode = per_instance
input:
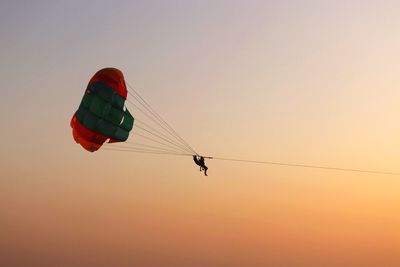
[(101, 116)]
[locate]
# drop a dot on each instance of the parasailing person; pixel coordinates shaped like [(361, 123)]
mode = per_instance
[(199, 160)]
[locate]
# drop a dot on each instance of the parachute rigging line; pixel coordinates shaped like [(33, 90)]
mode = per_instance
[(154, 113), (145, 152), (152, 129), (143, 147), (160, 125), (156, 141), (156, 135), (155, 120), (147, 106), (150, 146)]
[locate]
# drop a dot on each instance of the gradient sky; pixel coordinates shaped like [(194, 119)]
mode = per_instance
[(313, 82)]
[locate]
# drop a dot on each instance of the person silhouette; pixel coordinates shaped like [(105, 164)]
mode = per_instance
[(199, 160)]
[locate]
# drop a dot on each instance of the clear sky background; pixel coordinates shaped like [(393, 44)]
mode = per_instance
[(313, 82)]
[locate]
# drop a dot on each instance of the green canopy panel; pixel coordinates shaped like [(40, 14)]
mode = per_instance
[(102, 110)]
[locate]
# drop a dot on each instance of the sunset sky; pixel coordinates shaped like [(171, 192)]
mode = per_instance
[(307, 82)]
